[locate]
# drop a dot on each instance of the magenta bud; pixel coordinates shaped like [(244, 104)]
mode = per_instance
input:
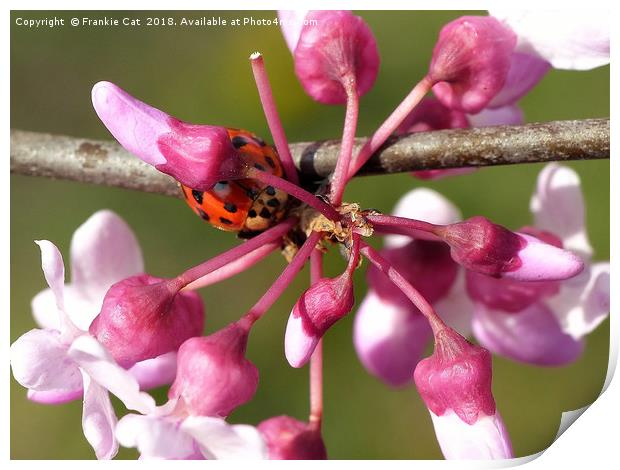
[(322, 305), (196, 155), (213, 375), (290, 439), (471, 61), (456, 377), (334, 46), (431, 115), (425, 264), (487, 248), (143, 317)]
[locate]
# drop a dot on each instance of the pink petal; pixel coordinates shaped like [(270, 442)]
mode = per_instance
[(544, 262), (104, 251), (156, 372), (422, 204), (583, 302), (45, 311), (156, 438), (54, 397), (98, 420), (510, 115), (91, 356), (486, 439), (299, 343), (558, 207), (39, 361), (136, 125), (526, 70), (389, 339), (220, 440), (291, 23), (456, 308), (440, 174), (578, 40), (533, 335)]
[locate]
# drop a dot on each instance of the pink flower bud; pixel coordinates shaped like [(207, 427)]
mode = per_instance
[(322, 305), (213, 375), (431, 115), (290, 439), (143, 317), (196, 155), (488, 248), (425, 264), (471, 61), (456, 377), (332, 47)]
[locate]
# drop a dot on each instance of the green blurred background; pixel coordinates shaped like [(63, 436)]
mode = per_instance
[(202, 75)]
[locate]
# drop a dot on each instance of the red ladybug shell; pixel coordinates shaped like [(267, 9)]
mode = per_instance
[(245, 206)]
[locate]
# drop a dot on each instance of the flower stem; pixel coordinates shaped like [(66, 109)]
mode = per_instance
[(283, 281), (273, 118), (401, 225), (436, 323), (341, 172), (233, 268), (391, 124), (316, 361), (293, 190), (268, 236)]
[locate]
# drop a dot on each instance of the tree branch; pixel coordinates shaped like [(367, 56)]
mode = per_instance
[(107, 163)]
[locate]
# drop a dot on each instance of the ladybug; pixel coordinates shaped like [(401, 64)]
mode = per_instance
[(244, 206)]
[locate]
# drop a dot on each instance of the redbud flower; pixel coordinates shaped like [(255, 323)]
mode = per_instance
[(213, 375), (290, 439), (144, 316), (482, 246), (331, 48), (318, 308), (196, 155), (470, 62), (455, 384)]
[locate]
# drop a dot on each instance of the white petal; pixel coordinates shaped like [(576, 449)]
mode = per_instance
[(224, 441), (45, 311), (568, 39), (98, 419), (583, 304), (40, 361), (104, 251), (291, 23), (54, 397), (92, 357), (422, 204), (456, 308), (558, 207), (81, 310), (510, 115), (155, 438), (486, 439), (156, 372)]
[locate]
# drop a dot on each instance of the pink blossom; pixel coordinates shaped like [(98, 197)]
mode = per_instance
[(290, 439)]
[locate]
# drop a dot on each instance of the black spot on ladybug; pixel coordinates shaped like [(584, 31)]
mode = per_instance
[(264, 213), (238, 141), (252, 213), (197, 196), (273, 202), (270, 161), (258, 166), (224, 220), (269, 190), (203, 215), (251, 193), (230, 207)]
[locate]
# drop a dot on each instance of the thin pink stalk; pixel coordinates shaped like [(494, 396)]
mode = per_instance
[(283, 281), (382, 223), (341, 172), (273, 118), (293, 190), (316, 361), (241, 264), (436, 323), (268, 236), (390, 125)]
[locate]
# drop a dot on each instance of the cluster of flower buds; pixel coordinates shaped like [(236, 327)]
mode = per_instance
[(116, 329)]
